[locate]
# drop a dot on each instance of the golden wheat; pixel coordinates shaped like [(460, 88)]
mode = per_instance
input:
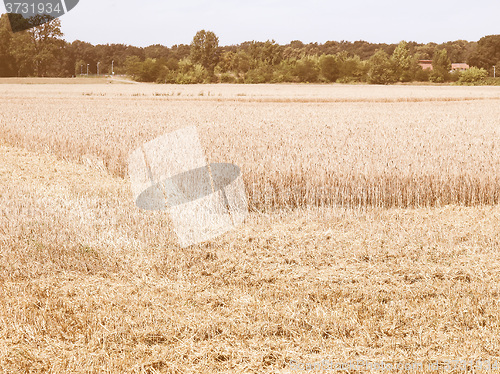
[(355, 146)]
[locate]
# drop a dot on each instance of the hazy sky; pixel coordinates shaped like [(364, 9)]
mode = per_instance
[(146, 22)]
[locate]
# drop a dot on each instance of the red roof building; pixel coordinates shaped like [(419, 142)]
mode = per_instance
[(459, 66), (425, 64)]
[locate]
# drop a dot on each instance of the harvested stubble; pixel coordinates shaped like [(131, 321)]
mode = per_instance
[(89, 283), (373, 146)]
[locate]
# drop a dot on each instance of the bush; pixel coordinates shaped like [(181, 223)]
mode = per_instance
[(166, 76), (227, 78), (473, 75), (347, 80), (306, 70), (422, 75), (329, 67), (262, 74), (437, 77), (455, 75), (255, 76), (492, 81), (191, 73)]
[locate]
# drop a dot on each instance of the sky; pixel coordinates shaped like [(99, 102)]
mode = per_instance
[(146, 22)]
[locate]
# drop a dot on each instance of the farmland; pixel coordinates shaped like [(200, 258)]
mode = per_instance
[(374, 228)]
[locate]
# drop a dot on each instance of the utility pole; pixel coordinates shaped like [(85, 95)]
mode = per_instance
[(88, 70), (98, 68), (494, 71), (112, 67)]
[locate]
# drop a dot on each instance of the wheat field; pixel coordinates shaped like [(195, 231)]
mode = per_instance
[(401, 146), (373, 235)]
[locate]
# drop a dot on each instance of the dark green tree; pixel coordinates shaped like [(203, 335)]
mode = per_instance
[(329, 67), (307, 70), (157, 51), (39, 51), (22, 49), (487, 52), (133, 66), (205, 50), (48, 46), (425, 52), (6, 58)]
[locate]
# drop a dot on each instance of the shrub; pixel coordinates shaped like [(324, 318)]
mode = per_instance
[(329, 67), (422, 75), (307, 70), (473, 75), (227, 78)]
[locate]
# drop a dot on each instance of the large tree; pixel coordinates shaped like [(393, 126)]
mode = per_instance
[(487, 53), (403, 62), (205, 49), (6, 58), (39, 50), (48, 46)]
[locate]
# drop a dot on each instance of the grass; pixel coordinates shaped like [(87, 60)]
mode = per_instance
[(88, 283)]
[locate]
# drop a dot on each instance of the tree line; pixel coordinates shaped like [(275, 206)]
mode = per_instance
[(42, 51)]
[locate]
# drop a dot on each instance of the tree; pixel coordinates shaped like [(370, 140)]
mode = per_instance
[(329, 67), (157, 51), (472, 76), (425, 52), (80, 68), (6, 58), (48, 44), (402, 62), (241, 62), (225, 62), (204, 50), (22, 50), (133, 66), (381, 68), (487, 53), (149, 70), (441, 66), (38, 50), (351, 67), (267, 53), (459, 50), (307, 70), (272, 52)]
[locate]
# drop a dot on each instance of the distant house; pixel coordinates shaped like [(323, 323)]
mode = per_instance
[(425, 64), (456, 66), (461, 66)]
